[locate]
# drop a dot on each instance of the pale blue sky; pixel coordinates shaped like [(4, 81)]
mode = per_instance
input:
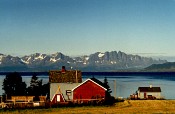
[(76, 27)]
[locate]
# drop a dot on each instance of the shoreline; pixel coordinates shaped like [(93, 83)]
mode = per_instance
[(102, 73)]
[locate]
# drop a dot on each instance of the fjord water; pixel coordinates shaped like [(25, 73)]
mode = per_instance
[(123, 86)]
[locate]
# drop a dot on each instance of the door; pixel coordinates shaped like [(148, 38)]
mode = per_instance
[(144, 94), (58, 98)]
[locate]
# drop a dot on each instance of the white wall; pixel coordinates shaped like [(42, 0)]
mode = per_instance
[(63, 88), (155, 94)]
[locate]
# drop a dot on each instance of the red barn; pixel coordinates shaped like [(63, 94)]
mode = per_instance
[(89, 90)]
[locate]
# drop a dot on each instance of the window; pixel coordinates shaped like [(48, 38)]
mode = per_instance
[(68, 92)]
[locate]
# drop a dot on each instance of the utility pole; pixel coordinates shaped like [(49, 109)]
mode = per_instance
[(115, 93)]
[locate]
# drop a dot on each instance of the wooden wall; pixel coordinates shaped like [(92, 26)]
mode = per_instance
[(88, 90)]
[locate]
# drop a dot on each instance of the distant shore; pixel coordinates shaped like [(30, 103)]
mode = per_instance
[(101, 73), (128, 106)]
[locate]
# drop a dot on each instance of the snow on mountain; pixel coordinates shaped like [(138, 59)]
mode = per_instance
[(113, 62), (40, 56), (27, 62), (54, 59), (86, 58), (101, 55), (1, 57), (33, 58), (26, 59)]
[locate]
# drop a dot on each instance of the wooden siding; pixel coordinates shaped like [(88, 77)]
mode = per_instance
[(22, 98), (88, 90)]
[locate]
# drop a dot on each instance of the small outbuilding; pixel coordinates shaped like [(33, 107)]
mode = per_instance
[(149, 92), (89, 90)]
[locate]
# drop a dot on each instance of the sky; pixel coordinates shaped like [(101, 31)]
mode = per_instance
[(83, 27)]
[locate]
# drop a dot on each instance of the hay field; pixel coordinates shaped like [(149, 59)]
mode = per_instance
[(128, 106)]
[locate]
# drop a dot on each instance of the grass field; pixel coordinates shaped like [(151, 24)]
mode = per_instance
[(128, 106)]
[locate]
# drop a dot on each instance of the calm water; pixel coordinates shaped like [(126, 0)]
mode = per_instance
[(125, 85)]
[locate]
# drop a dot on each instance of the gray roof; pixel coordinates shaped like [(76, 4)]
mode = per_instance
[(149, 89), (68, 76)]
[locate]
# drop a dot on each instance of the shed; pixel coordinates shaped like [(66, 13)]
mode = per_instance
[(149, 92), (90, 89)]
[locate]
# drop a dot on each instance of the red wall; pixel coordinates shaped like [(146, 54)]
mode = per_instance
[(88, 90)]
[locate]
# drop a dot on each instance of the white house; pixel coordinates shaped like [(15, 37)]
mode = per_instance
[(61, 84), (149, 92)]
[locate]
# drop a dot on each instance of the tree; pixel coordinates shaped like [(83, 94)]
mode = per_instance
[(110, 100), (35, 87), (13, 85), (46, 90), (106, 85)]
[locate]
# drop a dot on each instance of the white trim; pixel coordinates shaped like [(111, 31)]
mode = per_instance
[(85, 82)]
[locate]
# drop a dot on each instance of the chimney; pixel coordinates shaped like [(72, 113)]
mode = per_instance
[(76, 76), (63, 70)]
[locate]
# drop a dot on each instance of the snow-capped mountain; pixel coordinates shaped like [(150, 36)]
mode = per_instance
[(8, 60), (107, 61)]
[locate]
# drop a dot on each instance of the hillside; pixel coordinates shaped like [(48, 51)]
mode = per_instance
[(169, 66)]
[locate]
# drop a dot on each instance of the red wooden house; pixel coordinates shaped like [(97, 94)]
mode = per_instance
[(89, 90)]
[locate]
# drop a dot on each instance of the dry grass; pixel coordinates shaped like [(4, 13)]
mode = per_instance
[(128, 106)]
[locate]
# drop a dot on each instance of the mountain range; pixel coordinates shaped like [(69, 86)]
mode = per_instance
[(107, 61)]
